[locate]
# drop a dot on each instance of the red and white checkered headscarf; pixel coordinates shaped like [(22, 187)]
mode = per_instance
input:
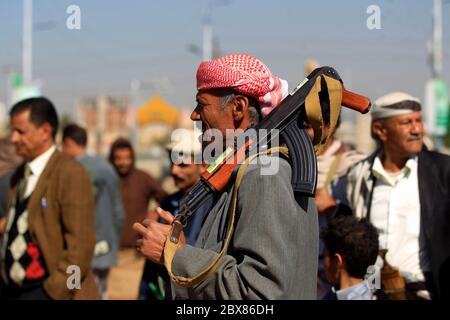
[(244, 74)]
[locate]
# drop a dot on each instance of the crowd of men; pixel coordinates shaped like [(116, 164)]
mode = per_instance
[(377, 228)]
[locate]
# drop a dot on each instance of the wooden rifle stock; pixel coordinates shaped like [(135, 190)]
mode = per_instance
[(355, 101)]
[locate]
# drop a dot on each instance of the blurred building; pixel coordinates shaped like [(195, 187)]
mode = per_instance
[(105, 119), (356, 132), (155, 121)]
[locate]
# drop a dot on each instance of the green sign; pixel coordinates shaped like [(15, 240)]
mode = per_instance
[(437, 104)]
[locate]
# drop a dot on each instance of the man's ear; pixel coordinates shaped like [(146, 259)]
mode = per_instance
[(47, 129), (240, 108), (379, 130), (339, 260)]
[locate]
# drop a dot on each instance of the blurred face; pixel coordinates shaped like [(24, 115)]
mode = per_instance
[(401, 135), (123, 161), (30, 140), (70, 148), (186, 175)]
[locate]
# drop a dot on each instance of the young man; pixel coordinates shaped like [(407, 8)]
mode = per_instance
[(350, 248), (137, 189), (274, 247), (108, 204), (50, 231)]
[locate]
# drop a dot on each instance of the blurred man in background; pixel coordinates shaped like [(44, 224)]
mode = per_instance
[(50, 224), (9, 161), (333, 163), (183, 150), (109, 213), (351, 247), (137, 188), (403, 189)]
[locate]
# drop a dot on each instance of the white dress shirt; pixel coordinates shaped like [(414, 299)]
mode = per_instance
[(37, 166), (395, 212)]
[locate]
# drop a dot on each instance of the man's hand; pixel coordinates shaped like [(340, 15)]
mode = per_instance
[(324, 201), (154, 235), (152, 215)]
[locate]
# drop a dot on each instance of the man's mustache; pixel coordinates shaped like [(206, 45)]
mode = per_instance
[(414, 137)]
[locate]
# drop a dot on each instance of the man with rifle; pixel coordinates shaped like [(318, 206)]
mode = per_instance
[(260, 240)]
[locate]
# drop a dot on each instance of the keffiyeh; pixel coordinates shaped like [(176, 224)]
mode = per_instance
[(244, 74)]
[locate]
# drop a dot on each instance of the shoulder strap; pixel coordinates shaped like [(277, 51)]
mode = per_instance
[(170, 247), (333, 168)]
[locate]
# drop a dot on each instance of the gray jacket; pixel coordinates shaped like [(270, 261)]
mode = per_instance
[(109, 213), (273, 251)]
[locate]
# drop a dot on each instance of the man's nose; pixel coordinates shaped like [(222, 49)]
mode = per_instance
[(174, 170), (416, 127), (14, 137), (195, 116)]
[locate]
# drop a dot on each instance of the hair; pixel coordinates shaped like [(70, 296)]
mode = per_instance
[(355, 240), (254, 108), (41, 111), (76, 133), (120, 143)]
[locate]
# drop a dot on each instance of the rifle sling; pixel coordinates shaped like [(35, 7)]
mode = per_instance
[(170, 248)]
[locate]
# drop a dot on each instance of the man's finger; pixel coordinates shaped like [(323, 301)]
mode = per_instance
[(139, 228), (146, 222), (165, 215), (139, 244)]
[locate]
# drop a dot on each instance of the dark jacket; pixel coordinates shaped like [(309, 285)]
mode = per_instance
[(434, 191)]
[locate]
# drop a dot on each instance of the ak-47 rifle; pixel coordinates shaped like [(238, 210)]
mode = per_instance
[(319, 92)]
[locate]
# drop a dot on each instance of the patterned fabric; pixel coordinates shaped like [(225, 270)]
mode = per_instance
[(24, 265), (246, 75)]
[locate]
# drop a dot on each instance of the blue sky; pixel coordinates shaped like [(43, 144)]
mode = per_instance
[(120, 41)]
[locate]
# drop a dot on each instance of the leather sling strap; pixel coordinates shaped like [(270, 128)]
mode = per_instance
[(333, 168), (170, 248)]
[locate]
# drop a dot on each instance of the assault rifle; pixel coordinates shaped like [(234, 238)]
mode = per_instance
[(315, 101)]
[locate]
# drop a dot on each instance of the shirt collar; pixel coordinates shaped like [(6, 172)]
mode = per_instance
[(360, 291), (37, 165), (379, 172)]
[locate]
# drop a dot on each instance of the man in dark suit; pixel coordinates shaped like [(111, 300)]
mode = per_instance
[(403, 189), (48, 242)]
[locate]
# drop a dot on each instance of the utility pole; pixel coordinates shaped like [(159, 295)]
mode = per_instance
[(208, 45), (207, 34), (27, 42), (436, 94), (437, 39)]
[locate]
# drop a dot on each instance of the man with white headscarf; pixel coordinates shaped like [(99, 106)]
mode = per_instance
[(404, 189), (273, 249)]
